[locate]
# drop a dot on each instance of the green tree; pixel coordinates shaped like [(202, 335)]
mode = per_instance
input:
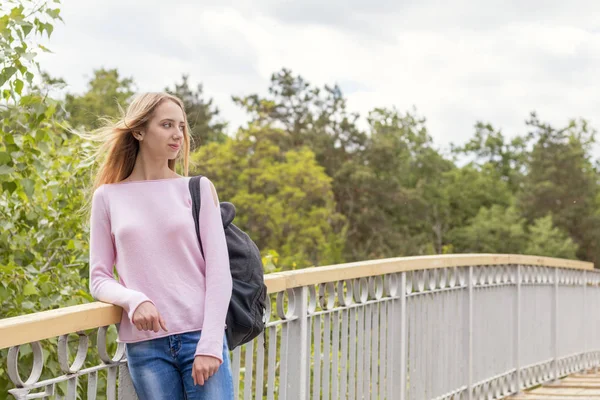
[(547, 240), (457, 197), (283, 198), (490, 147), (563, 182), (317, 118), (405, 197), (202, 115), (493, 230), (107, 92), (309, 116), (43, 252), (470, 188)]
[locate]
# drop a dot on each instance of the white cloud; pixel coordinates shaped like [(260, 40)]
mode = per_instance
[(457, 63)]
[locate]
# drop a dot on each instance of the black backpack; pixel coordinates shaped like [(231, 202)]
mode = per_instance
[(245, 317)]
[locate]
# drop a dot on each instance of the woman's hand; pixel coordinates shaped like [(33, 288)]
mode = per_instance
[(147, 318), (204, 367)]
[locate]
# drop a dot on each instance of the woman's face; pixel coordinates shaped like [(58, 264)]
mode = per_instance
[(163, 135)]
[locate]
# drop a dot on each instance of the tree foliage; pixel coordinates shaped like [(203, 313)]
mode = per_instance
[(283, 198), (107, 91), (43, 243), (561, 180)]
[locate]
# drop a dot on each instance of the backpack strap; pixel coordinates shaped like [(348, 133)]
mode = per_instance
[(194, 186)]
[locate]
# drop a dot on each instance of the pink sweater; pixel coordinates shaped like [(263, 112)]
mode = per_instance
[(146, 230)]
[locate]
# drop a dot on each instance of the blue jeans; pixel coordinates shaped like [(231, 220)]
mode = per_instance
[(161, 369)]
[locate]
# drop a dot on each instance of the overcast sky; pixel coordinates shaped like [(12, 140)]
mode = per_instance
[(456, 61)]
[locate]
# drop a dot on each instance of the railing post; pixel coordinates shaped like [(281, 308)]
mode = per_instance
[(403, 343), (398, 342), (297, 347), (584, 327), (469, 333), (517, 331), (555, 326)]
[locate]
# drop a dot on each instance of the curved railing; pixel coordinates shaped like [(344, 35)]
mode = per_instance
[(435, 327)]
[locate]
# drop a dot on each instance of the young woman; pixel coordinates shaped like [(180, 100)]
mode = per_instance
[(174, 301)]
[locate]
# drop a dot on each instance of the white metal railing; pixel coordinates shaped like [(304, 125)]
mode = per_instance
[(440, 327)]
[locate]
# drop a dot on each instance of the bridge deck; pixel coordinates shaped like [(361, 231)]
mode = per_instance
[(573, 387)]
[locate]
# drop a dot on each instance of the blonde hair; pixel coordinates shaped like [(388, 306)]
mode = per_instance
[(117, 149)]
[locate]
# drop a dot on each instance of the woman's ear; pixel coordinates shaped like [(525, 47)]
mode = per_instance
[(138, 135)]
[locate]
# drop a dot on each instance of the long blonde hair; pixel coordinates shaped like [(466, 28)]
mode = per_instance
[(117, 149)]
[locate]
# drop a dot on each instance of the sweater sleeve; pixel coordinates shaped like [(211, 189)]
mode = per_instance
[(218, 274), (103, 286)]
